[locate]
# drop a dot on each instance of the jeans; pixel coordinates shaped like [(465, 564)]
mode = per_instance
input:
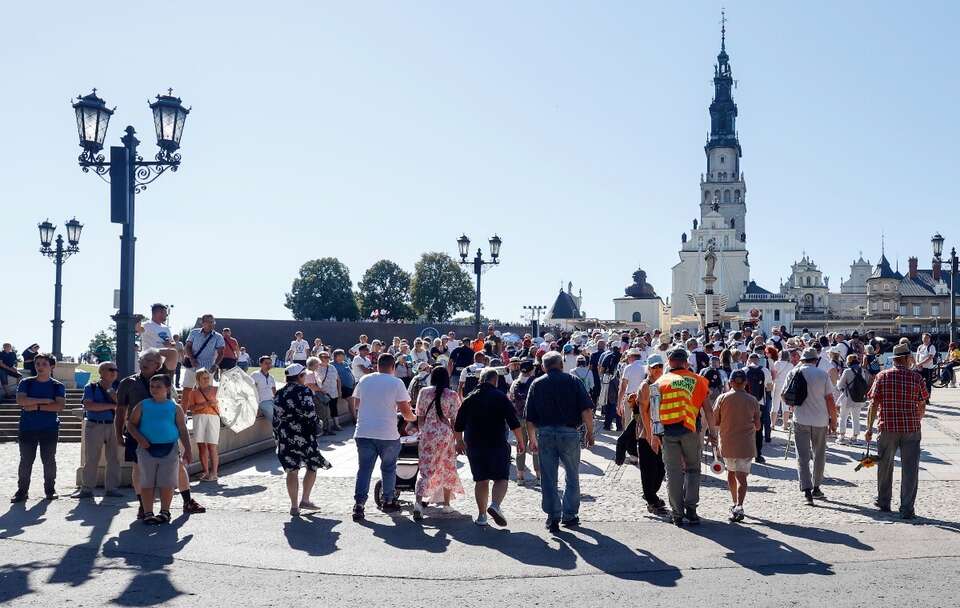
[(681, 460), (764, 432), (388, 450), (266, 408), (909, 445), (29, 442), (559, 445), (98, 437), (811, 443)]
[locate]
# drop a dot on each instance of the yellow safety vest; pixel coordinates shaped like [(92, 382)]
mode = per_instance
[(677, 399)]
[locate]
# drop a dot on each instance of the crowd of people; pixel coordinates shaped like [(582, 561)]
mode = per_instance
[(504, 404)]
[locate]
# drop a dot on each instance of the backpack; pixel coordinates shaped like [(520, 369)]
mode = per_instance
[(857, 389), (756, 380), (795, 392)]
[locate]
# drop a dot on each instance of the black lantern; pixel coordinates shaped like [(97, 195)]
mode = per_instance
[(463, 243), (168, 118), (74, 228), (937, 242), (495, 243), (46, 233), (93, 117)]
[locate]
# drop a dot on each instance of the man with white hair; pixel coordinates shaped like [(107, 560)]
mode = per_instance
[(632, 376), (557, 405)]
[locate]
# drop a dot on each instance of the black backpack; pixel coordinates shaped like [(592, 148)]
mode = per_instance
[(756, 380), (857, 389), (795, 393)]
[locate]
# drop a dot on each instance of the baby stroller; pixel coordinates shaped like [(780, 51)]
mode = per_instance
[(408, 463)]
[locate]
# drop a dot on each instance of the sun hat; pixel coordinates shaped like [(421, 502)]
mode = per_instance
[(293, 370)]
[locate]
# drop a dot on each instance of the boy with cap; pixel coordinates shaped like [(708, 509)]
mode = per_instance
[(737, 415)]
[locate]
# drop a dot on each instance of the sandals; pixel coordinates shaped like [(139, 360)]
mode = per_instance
[(152, 520), (192, 506)]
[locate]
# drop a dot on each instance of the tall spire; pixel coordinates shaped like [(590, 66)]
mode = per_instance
[(723, 29)]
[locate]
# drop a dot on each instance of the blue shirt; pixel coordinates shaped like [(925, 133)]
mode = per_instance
[(95, 393), (346, 375), (158, 421), (40, 421), (208, 355)]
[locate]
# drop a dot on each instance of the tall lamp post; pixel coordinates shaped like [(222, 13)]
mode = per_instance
[(535, 311), (56, 251), (937, 242), (463, 243), (128, 175)]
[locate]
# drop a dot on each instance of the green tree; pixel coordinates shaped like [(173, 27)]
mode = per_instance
[(385, 286), (323, 290), (103, 344), (440, 287)]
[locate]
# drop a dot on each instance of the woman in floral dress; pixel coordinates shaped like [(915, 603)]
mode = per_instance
[(437, 407), (296, 427)]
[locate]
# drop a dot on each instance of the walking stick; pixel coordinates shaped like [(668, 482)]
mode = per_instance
[(786, 450)]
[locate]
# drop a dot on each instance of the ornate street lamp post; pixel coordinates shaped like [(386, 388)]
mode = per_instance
[(463, 244), (128, 175), (59, 254)]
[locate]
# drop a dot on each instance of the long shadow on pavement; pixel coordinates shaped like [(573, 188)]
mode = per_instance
[(312, 535), (753, 550), (408, 535), (15, 578), (77, 565), (524, 547), (618, 560), (821, 535), (148, 549)]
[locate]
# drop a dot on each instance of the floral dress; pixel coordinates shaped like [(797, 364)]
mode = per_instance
[(438, 453), (295, 428)]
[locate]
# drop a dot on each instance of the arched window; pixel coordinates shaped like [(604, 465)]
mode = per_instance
[(808, 282), (722, 159), (636, 317), (706, 196), (726, 196), (716, 195), (726, 241), (736, 196), (733, 222)]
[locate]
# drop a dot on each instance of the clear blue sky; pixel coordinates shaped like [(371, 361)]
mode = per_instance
[(382, 130)]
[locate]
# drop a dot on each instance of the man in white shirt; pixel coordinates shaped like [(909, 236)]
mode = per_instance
[(329, 381), (361, 366), (266, 387), (355, 349), (927, 361), (470, 375), (299, 350), (632, 376), (156, 334), (378, 398)]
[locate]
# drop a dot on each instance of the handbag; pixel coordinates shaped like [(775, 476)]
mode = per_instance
[(160, 450), (188, 363)]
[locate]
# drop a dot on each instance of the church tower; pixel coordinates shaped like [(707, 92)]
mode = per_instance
[(723, 210)]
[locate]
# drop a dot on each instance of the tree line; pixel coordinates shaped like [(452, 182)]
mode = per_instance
[(438, 288)]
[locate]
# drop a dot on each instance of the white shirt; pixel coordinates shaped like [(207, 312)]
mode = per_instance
[(359, 366), (634, 373), (327, 380), (378, 395), (244, 357), (155, 335), (473, 368), (299, 348), (926, 351), (265, 385), (569, 362)]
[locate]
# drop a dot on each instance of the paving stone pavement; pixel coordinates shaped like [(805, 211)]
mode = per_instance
[(609, 493)]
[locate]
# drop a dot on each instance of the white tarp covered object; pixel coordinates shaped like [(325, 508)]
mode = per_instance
[(237, 396)]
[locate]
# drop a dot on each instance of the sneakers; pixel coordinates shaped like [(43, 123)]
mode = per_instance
[(808, 497), (390, 507), (656, 509), (736, 514), (573, 522), (19, 497), (357, 512), (481, 521), (52, 495), (192, 506), (760, 459), (497, 515), (908, 515), (691, 516), (83, 494), (817, 493), (883, 509), (677, 520), (553, 526)]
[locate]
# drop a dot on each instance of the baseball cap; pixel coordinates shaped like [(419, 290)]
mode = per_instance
[(294, 370), (654, 360)]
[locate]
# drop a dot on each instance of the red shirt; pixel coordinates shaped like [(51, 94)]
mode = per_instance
[(897, 392), (231, 348)]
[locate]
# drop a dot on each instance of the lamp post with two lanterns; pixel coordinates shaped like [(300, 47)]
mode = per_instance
[(128, 175), (937, 242), (463, 244), (55, 250)]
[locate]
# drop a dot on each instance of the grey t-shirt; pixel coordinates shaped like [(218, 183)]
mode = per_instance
[(813, 412)]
